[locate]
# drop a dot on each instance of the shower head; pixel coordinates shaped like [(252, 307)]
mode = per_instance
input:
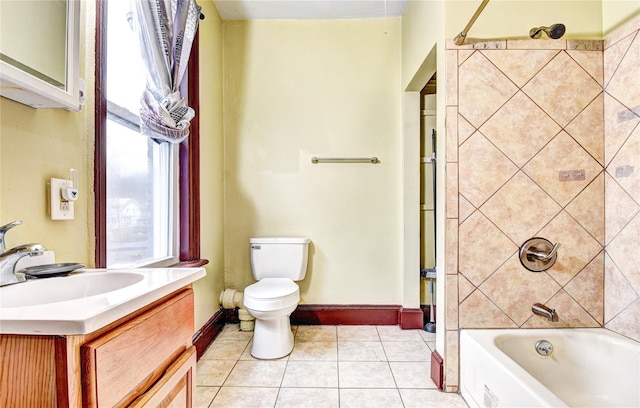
[(554, 32)]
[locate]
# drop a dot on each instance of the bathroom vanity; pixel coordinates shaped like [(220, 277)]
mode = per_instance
[(143, 358)]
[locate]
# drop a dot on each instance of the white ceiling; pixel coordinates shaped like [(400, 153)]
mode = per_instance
[(308, 9)]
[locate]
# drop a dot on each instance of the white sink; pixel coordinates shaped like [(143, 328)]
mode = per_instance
[(86, 301), (76, 286)]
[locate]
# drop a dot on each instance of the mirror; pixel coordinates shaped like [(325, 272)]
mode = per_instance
[(39, 61)]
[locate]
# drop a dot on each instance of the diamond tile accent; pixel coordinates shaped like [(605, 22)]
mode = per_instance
[(625, 167), (588, 208), (588, 129), (577, 248), (587, 288), (483, 169), (590, 61), (463, 55), (627, 322), (520, 208), (561, 154), (618, 293), (562, 89), (628, 73), (465, 208), (477, 311), (619, 208), (520, 65), (520, 129), (465, 288), (478, 238), (618, 125), (465, 129), (482, 88), (623, 250), (514, 289)]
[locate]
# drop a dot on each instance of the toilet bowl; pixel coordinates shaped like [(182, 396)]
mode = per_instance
[(275, 263)]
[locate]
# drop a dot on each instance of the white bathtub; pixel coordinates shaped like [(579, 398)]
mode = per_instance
[(588, 368)]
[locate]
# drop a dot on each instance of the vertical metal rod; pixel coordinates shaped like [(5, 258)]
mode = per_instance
[(459, 40)]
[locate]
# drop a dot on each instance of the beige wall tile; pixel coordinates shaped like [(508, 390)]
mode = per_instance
[(451, 313), (587, 288), (478, 312), (588, 129), (452, 133), (451, 237), (520, 65), (588, 208), (483, 248), (452, 190)]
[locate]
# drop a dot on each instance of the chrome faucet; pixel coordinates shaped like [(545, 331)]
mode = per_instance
[(542, 310), (3, 231), (9, 259)]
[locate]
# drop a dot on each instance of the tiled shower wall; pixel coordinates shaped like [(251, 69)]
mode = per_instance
[(520, 116)]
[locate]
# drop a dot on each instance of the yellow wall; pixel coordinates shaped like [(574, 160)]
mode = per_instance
[(208, 289), (37, 144), (616, 13), (297, 89), (514, 18)]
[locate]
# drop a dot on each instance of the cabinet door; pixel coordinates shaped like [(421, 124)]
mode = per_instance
[(122, 364), (176, 388)]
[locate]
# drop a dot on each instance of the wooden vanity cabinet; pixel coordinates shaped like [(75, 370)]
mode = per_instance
[(143, 360)]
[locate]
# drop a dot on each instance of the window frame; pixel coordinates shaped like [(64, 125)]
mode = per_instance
[(189, 158)]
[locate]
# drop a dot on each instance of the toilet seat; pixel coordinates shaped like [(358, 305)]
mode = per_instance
[(271, 294)]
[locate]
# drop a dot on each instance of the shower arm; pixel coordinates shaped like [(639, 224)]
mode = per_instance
[(459, 40)]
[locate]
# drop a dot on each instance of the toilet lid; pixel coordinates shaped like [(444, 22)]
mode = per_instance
[(271, 288)]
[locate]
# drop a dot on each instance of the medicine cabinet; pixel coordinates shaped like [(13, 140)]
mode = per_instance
[(39, 53)]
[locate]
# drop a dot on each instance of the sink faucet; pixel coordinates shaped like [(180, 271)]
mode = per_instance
[(542, 310), (10, 258), (3, 231)]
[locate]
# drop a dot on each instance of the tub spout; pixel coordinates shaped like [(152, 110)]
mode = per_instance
[(542, 310)]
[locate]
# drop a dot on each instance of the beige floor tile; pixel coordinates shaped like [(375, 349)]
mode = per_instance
[(246, 355), (308, 397), (232, 332), (358, 333), (411, 374), (314, 351), (311, 374), (245, 397), (212, 373), (316, 333), (407, 351), (256, 374), (361, 351), (413, 398), (358, 374), (395, 333), (204, 396), (225, 350), (376, 398), (426, 336)]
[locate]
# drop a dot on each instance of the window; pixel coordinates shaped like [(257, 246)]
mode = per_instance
[(140, 218)]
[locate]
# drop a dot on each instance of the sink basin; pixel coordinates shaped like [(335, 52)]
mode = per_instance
[(84, 302), (54, 290)]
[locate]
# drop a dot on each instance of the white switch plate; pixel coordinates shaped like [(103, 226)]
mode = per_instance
[(59, 208)]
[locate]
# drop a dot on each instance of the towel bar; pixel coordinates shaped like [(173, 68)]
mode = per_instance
[(372, 160)]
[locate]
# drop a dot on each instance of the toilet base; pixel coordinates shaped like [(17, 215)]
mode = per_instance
[(272, 338)]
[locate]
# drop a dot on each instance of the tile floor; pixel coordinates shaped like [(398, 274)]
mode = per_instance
[(330, 366)]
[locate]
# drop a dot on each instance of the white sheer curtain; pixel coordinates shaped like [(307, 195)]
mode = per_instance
[(165, 29)]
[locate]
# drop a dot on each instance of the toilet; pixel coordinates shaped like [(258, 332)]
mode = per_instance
[(275, 263)]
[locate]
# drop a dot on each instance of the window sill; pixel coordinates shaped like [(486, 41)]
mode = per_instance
[(191, 264)]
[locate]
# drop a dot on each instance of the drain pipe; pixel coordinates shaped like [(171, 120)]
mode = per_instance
[(230, 299)]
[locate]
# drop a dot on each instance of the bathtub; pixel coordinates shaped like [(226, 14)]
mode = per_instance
[(587, 368)]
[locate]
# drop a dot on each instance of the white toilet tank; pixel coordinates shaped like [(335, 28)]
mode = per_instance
[(279, 257)]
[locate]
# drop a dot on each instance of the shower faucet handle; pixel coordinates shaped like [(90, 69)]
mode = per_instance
[(544, 256)]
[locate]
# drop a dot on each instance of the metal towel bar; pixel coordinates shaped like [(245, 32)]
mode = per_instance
[(372, 160)]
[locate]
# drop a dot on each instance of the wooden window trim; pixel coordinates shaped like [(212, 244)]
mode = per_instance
[(189, 157)]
